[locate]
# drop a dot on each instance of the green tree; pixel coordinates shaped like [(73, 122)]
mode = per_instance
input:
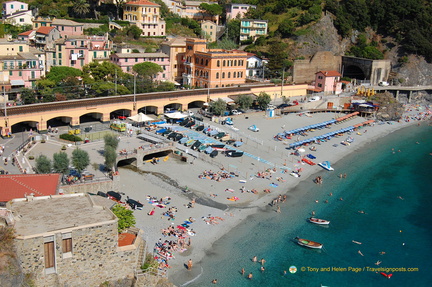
[(61, 162), (105, 89), (110, 156), (58, 74), (263, 100), (80, 7), (80, 159), (147, 69), (28, 96), (233, 30), (286, 28), (210, 9), (111, 140), (133, 31), (43, 164), (244, 102), (101, 71), (218, 107), (125, 217)]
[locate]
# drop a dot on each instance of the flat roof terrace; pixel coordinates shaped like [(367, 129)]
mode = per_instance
[(49, 214)]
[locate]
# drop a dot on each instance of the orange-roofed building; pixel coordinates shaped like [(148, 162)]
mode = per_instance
[(328, 82), (45, 38), (146, 16), (212, 67), (20, 185)]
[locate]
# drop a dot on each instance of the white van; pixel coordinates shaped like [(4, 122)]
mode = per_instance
[(383, 84)]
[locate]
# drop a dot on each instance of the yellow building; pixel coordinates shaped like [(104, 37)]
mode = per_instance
[(212, 67), (209, 30), (145, 15), (175, 48)]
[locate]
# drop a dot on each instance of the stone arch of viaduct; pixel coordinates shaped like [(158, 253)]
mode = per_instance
[(71, 112)]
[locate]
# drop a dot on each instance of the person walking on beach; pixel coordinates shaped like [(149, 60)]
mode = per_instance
[(189, 265)]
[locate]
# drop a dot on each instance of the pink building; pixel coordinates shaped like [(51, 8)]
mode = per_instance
[(11, 7), (127, 60), (68, 27), (328, 82), (77, 51), (237, 10)]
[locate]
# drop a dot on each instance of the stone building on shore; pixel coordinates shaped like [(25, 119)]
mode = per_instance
[(72, 240)]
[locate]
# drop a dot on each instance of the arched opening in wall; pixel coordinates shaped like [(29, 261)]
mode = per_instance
[(195, 105), (354, 72), (59, 122), (173, 107), (25, 127), (157, 155), (126, 162), (120, 114), (90, 118), (148, 110)]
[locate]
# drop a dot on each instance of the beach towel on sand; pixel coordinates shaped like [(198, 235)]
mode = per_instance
[(273, 185)]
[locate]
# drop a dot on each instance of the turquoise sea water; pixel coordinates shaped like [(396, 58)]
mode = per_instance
[(376, 177)]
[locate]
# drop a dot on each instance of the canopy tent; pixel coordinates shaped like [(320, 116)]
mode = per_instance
[(227, 100), (140, 118), (176, 115)]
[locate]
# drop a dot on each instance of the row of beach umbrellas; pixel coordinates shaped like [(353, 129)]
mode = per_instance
[(314, 126), (327, 135)]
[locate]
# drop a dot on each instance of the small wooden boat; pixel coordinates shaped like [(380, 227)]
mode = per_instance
[(318, 221), (308, 243)]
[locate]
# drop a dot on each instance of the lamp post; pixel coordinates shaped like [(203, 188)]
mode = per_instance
[(134, 101)]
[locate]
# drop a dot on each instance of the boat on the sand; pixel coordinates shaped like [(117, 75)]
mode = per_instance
[(318, 221), (308, 243), (326, 165)]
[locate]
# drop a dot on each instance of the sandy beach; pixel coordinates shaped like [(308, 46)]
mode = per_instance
[(214, 215)]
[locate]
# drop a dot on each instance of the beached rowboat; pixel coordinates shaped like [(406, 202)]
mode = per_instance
[(318, 221), (308, 243)]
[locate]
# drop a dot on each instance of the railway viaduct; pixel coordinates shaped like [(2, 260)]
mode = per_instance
[(74, 112)]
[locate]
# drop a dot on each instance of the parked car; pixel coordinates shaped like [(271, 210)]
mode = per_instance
[(383, 84), (281, 106), (314, 99), (236, 112)]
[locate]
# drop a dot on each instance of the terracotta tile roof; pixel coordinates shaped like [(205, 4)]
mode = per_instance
[(142, 2), (19, 185), (125, 239), (26, 33), (44, 30), (330, 73)]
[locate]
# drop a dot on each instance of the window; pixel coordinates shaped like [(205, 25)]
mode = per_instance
[(49, 253), (60, 62), (33, 75), (54, 62), (59, 55), (10, 73), (20, 73), (94, 54), (218, 63), (21, 20), (235, 62), (223, 63), (223, 75), (320, 85), (67, 242), (136, 60), (217, 75)]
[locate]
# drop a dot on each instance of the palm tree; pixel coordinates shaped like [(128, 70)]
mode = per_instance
[(81, 7)]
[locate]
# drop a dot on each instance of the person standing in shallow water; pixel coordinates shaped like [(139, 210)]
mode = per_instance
[(254, 259), (189, 264), (250, 276)]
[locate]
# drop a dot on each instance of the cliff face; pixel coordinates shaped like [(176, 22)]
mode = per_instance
[(390, 109), (323, 36)]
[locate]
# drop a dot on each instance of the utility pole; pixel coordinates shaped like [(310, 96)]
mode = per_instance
[(115, 94), (134, 102)]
